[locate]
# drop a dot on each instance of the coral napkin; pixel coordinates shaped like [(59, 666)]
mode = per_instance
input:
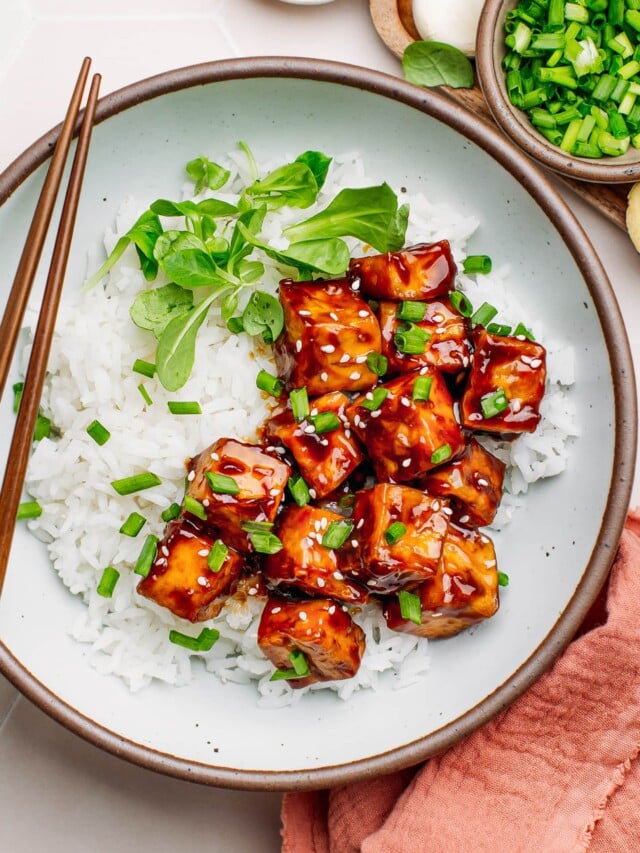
[(557, 771)]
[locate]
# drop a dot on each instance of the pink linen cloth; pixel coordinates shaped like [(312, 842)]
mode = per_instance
[(556, 772)]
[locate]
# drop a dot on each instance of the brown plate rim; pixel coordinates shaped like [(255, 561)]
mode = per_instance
[(536, 184), (514, 123)]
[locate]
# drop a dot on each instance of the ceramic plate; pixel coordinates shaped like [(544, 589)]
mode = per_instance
[(557, 552)]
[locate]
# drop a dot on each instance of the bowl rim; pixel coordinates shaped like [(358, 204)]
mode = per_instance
[(610, 170), (595, 573)]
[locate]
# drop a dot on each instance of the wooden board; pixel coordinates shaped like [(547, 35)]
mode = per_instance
[(394, 23)]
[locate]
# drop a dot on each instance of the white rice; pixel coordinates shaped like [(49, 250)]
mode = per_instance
[(90, 378)]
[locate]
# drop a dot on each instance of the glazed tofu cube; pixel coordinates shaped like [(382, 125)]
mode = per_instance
[(304, 562), (447, 346), (406, 437), (463, 591), (505, 384), (423, 271), (235, 483), (180, 578), (397, 538), (329, 330), (473, 482), (325, 458), (332, 643)]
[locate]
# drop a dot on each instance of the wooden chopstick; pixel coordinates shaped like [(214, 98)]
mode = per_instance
[(12, 320), (34, 380)]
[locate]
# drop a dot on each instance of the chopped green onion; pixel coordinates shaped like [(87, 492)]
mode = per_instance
[(136, 483), (377, 363), (221, 484), (411, 340), (377, 398), (478, 264), (347, 501), (269, 383), (205, 640), (494, 403), (265, 542), (440, 454), (42, 428), (195, 508), (461, 303), (299, 489), (412, 312), (133, 525), (99, 433), (177, 407), (107, 582), (422, 388), (18, 388), (299, 668), (145, 394), (410, 606), (337, 534), (217, 555), (325, 422), (394, 532), (147, 556), (171, 512), (503, 579), (256, 526), (498, 329), (28, 509), (521, 331), (484, 314), (145, 368), (299, 400)]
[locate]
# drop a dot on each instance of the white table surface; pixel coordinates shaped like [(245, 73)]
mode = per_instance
[(59, 793)]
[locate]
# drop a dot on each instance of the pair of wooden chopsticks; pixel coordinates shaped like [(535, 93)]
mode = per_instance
[(15, 471)]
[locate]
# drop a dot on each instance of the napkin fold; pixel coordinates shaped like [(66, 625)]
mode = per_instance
[(557, 771)]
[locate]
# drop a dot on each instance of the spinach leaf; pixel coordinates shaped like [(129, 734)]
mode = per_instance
[(177, 346), (294, 185), (208, 207), (155, 309), (176, 241), (433, 63), (329, 256), (206, 174), (194, 268), (398, 228), (249, 271), (318, 163), (368, 213), (263, 315), (239, 246), (143, 233), (229, 305)]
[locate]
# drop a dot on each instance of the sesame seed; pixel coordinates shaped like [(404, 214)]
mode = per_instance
[(344, 358), (355, 375), (465, 361), (165, 551), (191, 476), (253, 590), (324, 376), (355, 284), (204, 552), (320, 582), (313, 412), (333, 316), (347, 433), (332, 609), (313, 493), (359, 524), (447, 510), (324, 522), (203, 581), (435, 506), (357, 420), (205, 502), (354, 543), (327, 348), (309, 429), (464, 519), (338, 575), (361, 359), (406, 462), (280, 450), (298, 345), (324, 442), (304, 313), (376, 414), (405, 401), (276, 609), (440, 330), (215, 457), (437, 318), (274, 492), (303, 616), (363, 313), (316, 525), (482, 482), (536, 362)]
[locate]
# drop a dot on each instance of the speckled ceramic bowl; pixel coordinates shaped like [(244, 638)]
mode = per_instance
[(557, 551), (490, 51)]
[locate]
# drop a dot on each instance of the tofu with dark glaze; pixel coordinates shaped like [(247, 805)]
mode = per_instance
[(447, 348), (463, 591), (260, 478), (332, 643), (379, 560), (325, 459), (329, 330), (423, 271), (180, 578), (404, 437), (306, 564), (473, 483), (514, 365)]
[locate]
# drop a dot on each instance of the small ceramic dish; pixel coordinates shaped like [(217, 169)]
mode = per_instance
[(490, 51)]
